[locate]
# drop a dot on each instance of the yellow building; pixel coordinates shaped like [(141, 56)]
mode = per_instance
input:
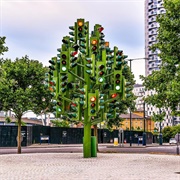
[(137, 119)]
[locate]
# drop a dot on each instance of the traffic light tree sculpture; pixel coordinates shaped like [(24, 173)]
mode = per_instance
[(87, 79)]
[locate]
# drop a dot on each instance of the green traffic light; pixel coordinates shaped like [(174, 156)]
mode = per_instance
[(101, 80), (59, 109), (118, 88), (64, 69)]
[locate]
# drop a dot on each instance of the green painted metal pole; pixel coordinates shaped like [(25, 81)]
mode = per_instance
[(87, 135)]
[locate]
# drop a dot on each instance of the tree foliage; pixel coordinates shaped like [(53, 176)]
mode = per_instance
[(3, 48), (166, 81), (23, 88), (170, 132)]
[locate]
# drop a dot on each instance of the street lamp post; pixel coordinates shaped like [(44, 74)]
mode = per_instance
[(144, 133), (160, 134), (130, 108), (130, 137)]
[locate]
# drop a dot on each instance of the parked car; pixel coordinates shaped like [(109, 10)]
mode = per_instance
[(172, 141)]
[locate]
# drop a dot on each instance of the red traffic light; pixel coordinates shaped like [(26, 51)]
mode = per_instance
[(100, 29), (73, 104), (114, 95), (73, 53), (52, 83)]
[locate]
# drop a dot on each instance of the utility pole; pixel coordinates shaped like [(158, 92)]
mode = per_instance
[(144, 134)]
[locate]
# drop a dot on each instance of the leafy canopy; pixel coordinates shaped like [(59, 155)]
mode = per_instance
[(166, 81), (23, 88)]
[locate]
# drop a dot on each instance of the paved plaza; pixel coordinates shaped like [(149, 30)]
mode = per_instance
[(72, 166)]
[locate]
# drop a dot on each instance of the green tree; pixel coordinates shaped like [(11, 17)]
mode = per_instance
[(23, 89), (170, 132), (3, 48), (166, 81), (167, 133)]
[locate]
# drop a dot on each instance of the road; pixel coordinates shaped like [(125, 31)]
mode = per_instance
[(103, 148)]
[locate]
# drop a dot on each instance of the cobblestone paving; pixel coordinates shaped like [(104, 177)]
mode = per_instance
[(72, 166)]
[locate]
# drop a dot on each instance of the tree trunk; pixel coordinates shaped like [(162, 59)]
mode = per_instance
[(19, 136), (96, 134)]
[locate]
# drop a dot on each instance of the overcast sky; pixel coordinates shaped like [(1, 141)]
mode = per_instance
[(36, 27)]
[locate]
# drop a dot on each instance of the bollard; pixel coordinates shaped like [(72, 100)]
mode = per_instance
[(115, 141), (93, 146)]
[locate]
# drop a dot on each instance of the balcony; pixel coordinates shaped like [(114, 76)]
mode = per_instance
[(153, 25), (152, 6), (152, 53), (150, 1), (152, 39), (153, 19), (152, 32), (152, 13), (160, 5)]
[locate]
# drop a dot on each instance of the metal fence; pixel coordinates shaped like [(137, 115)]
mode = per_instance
[(58, 135)]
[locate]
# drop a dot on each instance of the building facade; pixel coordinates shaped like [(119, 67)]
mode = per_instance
[(152, 9)]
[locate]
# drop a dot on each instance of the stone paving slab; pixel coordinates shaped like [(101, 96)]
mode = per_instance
[(72, 166)]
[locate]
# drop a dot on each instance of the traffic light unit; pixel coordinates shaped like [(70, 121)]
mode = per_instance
[(73, 33), (63, 83), (92, 107), (90, 64), (117, 81), (100, 72), (64, 62), (72, 58), (74, 110), (93, 45)]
